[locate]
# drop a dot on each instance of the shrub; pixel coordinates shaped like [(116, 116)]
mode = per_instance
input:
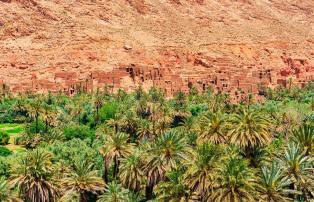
[(5, 151), (70, 151), (108, 111), (19, 140), (4, 138), (78, 131), (4, 167)]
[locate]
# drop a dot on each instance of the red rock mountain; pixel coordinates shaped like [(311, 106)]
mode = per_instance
[(231, 45)]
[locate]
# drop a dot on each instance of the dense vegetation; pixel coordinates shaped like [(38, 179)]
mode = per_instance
[(144, 147)]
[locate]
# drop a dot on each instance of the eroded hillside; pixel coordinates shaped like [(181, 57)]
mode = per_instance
[(232, 45)]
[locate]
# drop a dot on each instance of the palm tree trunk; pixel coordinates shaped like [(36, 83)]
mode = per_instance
[(36, 122), (149, 192), (97, 110), (248, 152), (83, 197), (105, 173), (115, 167), (46, 127)]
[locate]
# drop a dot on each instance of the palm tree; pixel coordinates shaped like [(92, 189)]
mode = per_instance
[(116, 146), (131, 174), (155, 97), (304, 135), (164, 154), (273, 186), (98, 102), (34, 109), (142, 108), (76, 108), (165, 117), (249, 129), (180, 111), (144, 130), (201, 169), (81, 181), (189, 128), (299, 168), (173, 189), (33, 175), (235, 182), (49, 114), (114, 193), (217, 102), (213, 128), (129, 121), (6, 194)]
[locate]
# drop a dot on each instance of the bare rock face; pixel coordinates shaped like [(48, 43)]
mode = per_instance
[(232, 46)]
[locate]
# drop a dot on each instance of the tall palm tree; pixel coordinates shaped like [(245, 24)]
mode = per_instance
[(144, 130), (173, 189), (304, 135), (131, 174), (98, 102), (34, 109), (273, 185), (164, 154), (189, 128), (49, 114), (6, 194), (129, 121), (202, 168), (116, 146), (180, 110), (249, 129), (81, 181), (142, 108), (33, 175), (235, 182), (213, 128), (165, 116), (299, 168), (114, 193)]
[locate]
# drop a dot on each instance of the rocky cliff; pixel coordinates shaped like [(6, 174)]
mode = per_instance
[(231, 45)]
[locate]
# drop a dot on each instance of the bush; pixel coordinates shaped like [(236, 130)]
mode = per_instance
[(108, 111), (70, 151), (78, 131), (4, 167), (4, 138), (5, 151), (19, 140)]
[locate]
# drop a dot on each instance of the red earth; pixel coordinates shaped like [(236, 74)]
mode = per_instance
[(235, 46)]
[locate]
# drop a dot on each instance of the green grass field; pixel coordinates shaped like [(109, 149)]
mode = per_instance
[(13, 130)]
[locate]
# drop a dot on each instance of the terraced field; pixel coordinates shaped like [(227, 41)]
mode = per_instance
[(13, 129)]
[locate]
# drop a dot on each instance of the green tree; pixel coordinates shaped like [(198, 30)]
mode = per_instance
[(116, 146), (273, 185), (304, 135), (173, 189), (33, 175), (114, 193), (299, 168), (164, 154), (131, 174), (81, 181), (213, 128), (34, 109), (249, 129), (235, 182), (202, 169)]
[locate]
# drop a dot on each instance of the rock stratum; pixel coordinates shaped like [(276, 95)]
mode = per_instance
[(232, 45)]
